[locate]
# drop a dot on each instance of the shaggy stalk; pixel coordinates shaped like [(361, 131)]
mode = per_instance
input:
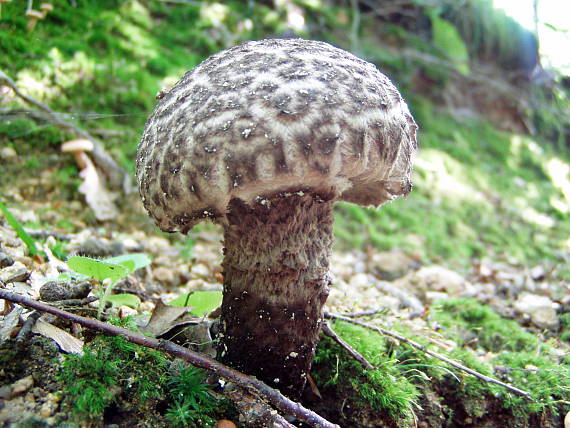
[(276, 282)]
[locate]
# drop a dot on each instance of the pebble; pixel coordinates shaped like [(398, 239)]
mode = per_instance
[(200, 270), (390, 265), (14, 273), (8, 153), (438, 278), (540, 309), (165, 275), (5, 260), (22, 385), (53, 291)]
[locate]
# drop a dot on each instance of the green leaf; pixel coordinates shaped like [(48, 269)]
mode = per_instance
[(22, 234), (97, 269), (201, 302), (447, 38), (132, 261), (124, 299)]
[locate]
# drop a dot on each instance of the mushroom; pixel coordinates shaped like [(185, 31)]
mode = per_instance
[(34, 16), (78, 147), (263, 138), (46, 8)]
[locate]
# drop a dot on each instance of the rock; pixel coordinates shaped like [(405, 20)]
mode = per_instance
[(8, 153), (200, 271), (53, 291), (390, 265), (165, 275), (438, 278), (22, 385), (15, 273), (5, 392), (432, 296), (362, 280), (5, 260), (541, 309)]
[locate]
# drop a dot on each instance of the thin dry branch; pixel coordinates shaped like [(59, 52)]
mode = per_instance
[(422, 348), (250, 384), (328, 331), (118, 177)]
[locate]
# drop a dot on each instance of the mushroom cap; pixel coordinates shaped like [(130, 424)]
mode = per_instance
[(273, 116), (78, 145), (31, 13), (48, 7)]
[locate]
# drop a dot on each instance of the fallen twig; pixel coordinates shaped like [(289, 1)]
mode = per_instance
[(429, 352), (278, 400), (363, 313), (117, 176), (328, 331)]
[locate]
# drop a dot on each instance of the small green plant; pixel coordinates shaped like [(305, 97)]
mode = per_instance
[(192, 400), (201, 302), (108, 272)]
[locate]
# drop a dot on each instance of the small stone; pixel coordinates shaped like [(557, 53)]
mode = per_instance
[(5, 392), (362, 280), (438, 278), (15, 273), (432, 296), (165, 275), (8, 153), (540, 309), (53, 291), (200, 270), (391, 265), (22, 385), (5, 260)]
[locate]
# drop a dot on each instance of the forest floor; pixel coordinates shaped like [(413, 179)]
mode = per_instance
[(503, 319)]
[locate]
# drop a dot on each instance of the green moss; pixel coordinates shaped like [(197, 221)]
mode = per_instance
[(109, 368), (527, 362), (387, 389), (548, 382), (193, 404), (466, 319)]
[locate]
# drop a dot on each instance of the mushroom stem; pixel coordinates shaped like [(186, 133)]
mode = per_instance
[(276, 282)]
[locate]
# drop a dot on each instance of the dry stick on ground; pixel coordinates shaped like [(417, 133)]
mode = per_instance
[(251, 384), (427, 351), (328, 331), (117, 176)]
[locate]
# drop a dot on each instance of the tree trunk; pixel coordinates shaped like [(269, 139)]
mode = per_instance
[(276, 282)]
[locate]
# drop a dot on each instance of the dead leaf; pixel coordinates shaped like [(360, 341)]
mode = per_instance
[(98, 197), (163, 319), (64, 340)]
